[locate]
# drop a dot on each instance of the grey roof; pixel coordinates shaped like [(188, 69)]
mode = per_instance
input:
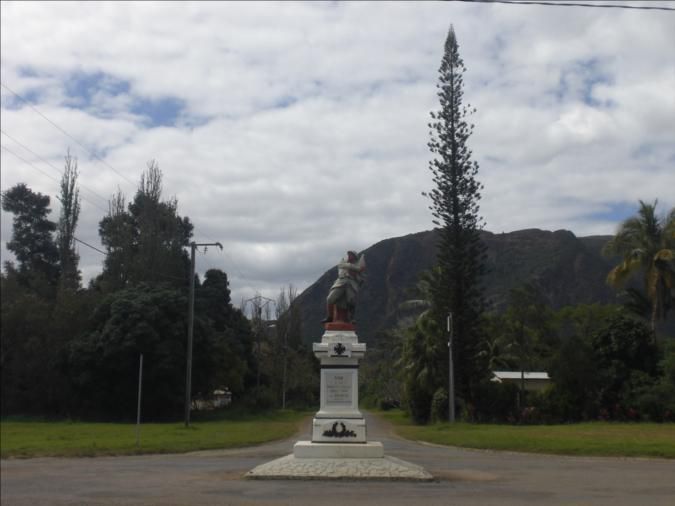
[(501, 375)]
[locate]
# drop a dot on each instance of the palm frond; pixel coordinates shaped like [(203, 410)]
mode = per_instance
[(619, 274)]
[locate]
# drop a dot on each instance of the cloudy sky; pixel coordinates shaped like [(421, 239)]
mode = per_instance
[(291, 132)]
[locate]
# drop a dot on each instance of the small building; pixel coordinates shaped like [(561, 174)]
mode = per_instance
[(222, 397), (534, 381)]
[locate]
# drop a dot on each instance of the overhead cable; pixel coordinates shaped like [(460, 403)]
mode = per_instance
[(49, 176), (93, 155), (50, 164), (572, 4)]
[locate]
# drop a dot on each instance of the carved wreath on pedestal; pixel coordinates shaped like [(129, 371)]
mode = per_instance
[(343, 432)]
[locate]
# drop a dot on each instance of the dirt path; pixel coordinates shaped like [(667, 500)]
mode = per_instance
[(465, 477)]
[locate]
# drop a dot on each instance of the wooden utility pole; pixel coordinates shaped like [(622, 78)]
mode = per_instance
[(191, 321)]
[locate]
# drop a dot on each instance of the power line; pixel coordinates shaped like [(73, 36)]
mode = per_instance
[(49, 176), (26, 161), (90, 246), (570, 4), (50, 164), (94, 155)]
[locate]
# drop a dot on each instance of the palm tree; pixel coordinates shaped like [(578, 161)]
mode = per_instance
[(646, 244), (421, 350), (496, 349)]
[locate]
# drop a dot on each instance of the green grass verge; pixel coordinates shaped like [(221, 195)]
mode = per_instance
[(595, 439), (82, 439)]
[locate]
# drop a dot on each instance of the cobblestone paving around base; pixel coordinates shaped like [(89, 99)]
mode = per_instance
[(386, 468)]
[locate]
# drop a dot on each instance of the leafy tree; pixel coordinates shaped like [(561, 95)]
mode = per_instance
[(32, 242), (37, 319), (624, 353), (646, 244), (294, 370), (574, 373), (421, 367), (583, 320), (379, 374), (70, 213), (25, 323), (522, 338), (145, 242), (529, 327), (454, 205), (421, 363), (497, 350), (232, 333), (103, 363)]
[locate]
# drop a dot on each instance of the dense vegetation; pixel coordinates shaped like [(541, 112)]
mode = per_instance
[(67, 350), (605, 363)]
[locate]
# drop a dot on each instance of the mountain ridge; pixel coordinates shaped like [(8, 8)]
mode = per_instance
[(568, 269)]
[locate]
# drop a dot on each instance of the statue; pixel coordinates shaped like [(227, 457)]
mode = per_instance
[(341, 300)]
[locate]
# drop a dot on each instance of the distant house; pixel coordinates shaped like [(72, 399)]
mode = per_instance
[(534, 381), (219, 399), (222, 397)]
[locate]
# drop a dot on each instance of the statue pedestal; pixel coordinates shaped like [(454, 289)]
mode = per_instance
[(338, 428)]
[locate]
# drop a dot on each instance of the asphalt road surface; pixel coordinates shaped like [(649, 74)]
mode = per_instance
[(464, 477)]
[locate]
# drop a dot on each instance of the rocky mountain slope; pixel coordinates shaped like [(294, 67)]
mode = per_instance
[(569, 270)]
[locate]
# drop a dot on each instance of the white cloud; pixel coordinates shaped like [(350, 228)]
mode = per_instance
[(304, 125)]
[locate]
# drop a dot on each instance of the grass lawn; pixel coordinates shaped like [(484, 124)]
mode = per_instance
[(596, 438), (82, 439)]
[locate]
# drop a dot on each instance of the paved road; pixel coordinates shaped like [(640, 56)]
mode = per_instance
[(465, 477)]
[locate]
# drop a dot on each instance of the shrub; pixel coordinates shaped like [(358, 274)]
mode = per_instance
[(494, 402), (439, 405)]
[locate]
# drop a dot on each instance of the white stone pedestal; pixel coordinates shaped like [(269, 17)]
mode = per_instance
[(339, 449), (339, 428)]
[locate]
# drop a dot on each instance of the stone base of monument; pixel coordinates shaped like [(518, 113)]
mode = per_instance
[(377, 469), (339, 448), (311, 450)]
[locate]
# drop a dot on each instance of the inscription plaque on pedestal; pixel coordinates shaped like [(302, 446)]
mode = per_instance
[(338, 388)]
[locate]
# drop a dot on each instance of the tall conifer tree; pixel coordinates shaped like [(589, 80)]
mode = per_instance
[(454, 205), (65, 234)]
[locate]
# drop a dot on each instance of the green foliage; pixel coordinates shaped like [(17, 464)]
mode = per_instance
[(528, 328), (575, 376), (25, 321), (104, 362), (32, 242), (232, 332), (494, 402), (379, 376), (626, 355), (439, 405), (646, 244), (583, 320), (153, 321), (65, 350), (496, 348), (456, 288), (145, 242), (70, 213), (422, 366)]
